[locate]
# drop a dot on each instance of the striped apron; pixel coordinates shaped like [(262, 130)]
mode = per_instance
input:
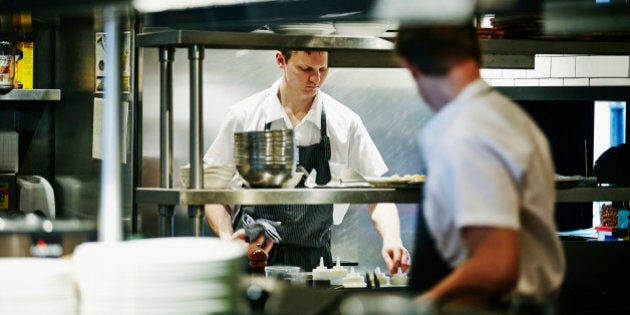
[(305, 229)]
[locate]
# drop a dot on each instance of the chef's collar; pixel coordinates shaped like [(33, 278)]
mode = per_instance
[(275, 111), (479, 86)]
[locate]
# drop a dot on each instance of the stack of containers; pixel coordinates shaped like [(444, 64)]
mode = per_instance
[(265, 158)]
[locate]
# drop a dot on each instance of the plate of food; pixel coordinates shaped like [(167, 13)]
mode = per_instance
[(397, 181)]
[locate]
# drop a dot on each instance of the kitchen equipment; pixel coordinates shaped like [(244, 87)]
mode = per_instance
[(284, 273), (7, 66), (31, 236), (265, 158), (36, 196)]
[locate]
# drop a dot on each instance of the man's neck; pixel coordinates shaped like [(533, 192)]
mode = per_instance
[(294, 105), (448, 87)]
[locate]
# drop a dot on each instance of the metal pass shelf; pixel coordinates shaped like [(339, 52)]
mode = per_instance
[(339, 195), (270, 196)]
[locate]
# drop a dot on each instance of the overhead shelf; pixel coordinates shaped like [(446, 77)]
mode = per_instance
[(374, 52), (32, 95)]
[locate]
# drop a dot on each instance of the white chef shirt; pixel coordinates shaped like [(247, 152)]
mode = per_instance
[(489, 165), (351, 145)]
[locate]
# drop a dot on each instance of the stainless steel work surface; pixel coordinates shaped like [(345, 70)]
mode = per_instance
[(272, 196)]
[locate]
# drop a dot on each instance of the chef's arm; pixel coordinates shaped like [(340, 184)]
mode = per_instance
[(220, 220), (384, 216), (491, 270)]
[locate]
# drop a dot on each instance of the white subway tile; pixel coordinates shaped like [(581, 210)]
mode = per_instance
[(526, 82), (610, 81), (542, 68), (550, 82), (576, 82), (502, 82), (602, 66), (562, 67), (491, 73), (514, 73)]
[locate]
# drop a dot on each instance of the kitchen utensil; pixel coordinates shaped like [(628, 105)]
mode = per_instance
[(265, 158), (36, 195)]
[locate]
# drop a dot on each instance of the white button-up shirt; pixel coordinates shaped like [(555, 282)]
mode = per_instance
[(351, 145), (489, 165)]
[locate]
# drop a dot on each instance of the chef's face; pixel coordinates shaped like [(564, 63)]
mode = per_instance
[(304, 72)]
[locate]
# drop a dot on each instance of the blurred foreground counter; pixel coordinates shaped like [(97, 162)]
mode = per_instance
[(274, 297)]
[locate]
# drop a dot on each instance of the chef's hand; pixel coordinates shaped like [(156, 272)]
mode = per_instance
[(252, 246), (396, 255)]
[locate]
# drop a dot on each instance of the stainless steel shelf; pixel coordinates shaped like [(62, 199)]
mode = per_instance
[(588, 194), (276, 196), (249, 40), (339, 195), (374, 52), (32, 95)]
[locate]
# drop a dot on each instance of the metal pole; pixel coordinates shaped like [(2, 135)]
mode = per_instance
[(110, 206), (167, 224), (196, 55)]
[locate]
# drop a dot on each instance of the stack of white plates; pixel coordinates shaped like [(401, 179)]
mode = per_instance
[(37, 286), (181, 275), (361, 28), (303, 28), (214, 177)]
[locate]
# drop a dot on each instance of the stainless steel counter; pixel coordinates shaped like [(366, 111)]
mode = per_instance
[(269, 196)]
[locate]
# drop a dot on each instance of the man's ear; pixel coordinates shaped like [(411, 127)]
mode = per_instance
[(280, 60)]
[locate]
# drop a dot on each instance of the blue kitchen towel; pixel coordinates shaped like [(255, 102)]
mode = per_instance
[(253, 228)]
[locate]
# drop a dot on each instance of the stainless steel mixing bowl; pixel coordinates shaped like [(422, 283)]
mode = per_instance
[(265, 158)]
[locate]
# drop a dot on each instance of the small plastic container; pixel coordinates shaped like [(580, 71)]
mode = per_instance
[(604, 233), (285, 273), (337, 273)]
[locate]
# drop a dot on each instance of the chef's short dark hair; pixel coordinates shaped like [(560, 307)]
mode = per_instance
[(433, 50), (287, 53)]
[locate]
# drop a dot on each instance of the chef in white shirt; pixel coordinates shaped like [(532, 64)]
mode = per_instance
[(330, 139)]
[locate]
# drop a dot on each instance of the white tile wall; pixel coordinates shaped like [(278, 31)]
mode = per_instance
[(610, 81), (542, 68), (514, 74), (551, 82), (565, 70), (491, 73), (562, 67), (526, 82), (601, 66), (576, 82)]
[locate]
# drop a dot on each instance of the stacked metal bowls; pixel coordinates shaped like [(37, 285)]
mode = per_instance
[(266, 158)]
